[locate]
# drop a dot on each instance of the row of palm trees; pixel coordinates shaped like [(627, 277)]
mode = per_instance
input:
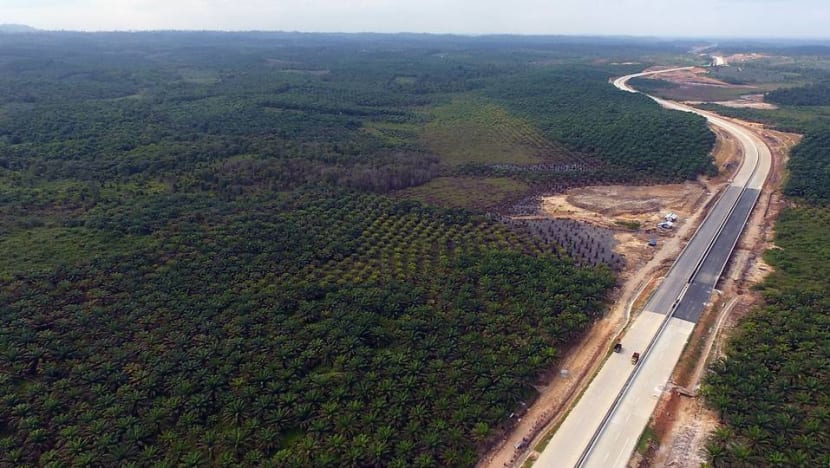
[(214, 348), (772, 390)]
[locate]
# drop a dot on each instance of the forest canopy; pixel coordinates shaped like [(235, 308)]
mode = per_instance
[(216, 251), (771, 387)]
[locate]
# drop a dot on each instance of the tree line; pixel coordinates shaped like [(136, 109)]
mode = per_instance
[(771, 388), (213, 270)]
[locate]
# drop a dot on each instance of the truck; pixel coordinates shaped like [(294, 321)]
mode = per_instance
[(635, 358)]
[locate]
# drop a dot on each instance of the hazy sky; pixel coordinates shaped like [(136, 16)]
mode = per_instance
[(729, 18)]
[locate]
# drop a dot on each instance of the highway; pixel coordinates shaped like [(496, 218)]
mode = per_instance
[(603, 428)]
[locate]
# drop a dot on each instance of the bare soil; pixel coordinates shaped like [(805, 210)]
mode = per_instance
[(606, 206), (728, 154), (749, 101), (694, 76), (742, 58), (683, 423), (695, 86), (618, 206)]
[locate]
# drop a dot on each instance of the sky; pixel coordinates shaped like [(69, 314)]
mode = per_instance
[(667, 18)]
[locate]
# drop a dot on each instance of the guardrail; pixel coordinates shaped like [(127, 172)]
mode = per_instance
[(669, 315)]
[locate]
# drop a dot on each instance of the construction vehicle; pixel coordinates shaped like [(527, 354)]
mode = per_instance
[(635, 358)]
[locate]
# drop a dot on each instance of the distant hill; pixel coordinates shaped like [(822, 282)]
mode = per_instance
[(16, 28)]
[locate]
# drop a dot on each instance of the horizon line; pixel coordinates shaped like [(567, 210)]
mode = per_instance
[(35, 30)]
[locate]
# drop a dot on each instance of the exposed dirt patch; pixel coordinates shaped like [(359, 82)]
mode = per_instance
[(633, 212), (625, 201), (728, 154), (693, 76), (749, 101), (683, 423), (742, 58), (688, 440), (695, 85), (616, 206), (607, 206)]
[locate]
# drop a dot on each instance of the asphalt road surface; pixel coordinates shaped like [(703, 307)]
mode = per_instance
[(603, 428)]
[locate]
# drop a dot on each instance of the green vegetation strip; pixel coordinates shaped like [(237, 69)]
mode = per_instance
[(211, 255), (774, 380), (468, 192), (771, 388), (473, 130), (647, 438)]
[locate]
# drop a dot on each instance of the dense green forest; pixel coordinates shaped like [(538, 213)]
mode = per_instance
[(812, 95), (215, 249), (267, 331), (355, 112), (809, 164), (771, 389), (590, 117)]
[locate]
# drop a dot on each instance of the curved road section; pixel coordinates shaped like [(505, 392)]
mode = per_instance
[(603, 428)]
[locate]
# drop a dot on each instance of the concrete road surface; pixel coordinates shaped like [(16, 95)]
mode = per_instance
[(603, 428), (619, 440)]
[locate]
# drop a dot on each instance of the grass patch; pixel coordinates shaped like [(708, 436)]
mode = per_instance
[(467, 192), (646, 439), (632, 225), (45, 248), (393, 133), (543, 444), (472, 130), (405, 80)]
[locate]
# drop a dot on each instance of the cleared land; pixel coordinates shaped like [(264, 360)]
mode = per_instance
[(617, 206), (682, 423), (633, 212), (596, 205), (698, 85)]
